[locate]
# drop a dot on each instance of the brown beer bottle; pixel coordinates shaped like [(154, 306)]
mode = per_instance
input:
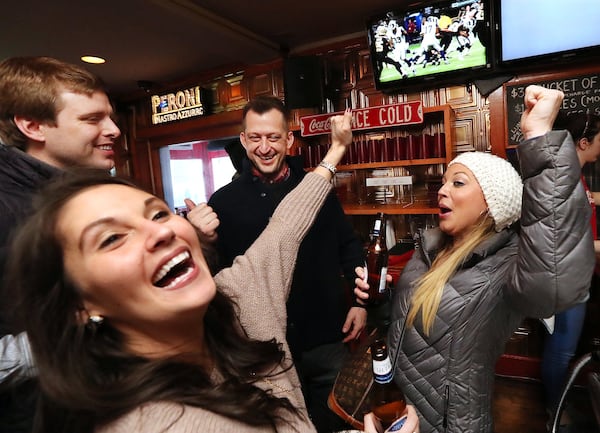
[(387, 400), (377, 262)]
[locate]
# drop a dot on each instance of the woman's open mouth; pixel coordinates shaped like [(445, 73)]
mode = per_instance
[(174, 271)]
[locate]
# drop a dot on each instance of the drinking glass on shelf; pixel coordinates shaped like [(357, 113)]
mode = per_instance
[(413, 146), (400, 149), (428, 146), (390, 147), (440, 144)]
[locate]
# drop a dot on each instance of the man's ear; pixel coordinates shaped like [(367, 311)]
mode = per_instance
[(32, 129), (290, 139), (243, 139)]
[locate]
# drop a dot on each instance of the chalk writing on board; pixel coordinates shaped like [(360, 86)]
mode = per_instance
[(582, 94)]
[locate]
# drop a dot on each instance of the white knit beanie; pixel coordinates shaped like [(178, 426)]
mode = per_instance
[(501, 185)]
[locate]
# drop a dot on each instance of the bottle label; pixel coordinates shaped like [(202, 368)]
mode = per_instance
[(382, 280), (396, 425), (377, 227), (382, 371)]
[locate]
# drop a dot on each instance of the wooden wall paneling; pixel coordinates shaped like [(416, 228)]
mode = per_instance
[(126, 122), (345, 99), (237, 91), (155, 170), (364, 67), (497, 108), (477, 131), (460, 96), (123, 165), (485, 124), (219, 96), (350, 62), (465, 126), (413, 96), (349, 84), (142, 166), (278, 84), (395, 98), (296, 114), (369, 97), (430, 97), (143, 112), (261, 84)]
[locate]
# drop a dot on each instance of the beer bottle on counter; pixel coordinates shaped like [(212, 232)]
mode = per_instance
[(387, 400), (377, 262)]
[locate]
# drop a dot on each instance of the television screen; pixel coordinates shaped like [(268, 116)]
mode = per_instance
[(538, 29), (434, 42)]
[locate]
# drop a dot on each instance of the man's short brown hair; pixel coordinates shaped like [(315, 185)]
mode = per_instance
[(262, 104), (30, 87)]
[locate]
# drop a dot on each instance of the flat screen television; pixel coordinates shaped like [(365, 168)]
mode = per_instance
[(434, 43), (543, 32)]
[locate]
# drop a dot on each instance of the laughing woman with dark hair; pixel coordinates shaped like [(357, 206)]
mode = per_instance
[(131, 332)]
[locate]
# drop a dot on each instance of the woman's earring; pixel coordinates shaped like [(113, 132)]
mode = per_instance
[(94, 322)]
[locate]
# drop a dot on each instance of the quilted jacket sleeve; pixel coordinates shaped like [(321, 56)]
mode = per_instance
[(16, 359), (554, 265)]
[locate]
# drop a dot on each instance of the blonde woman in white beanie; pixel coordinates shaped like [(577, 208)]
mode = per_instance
[(475, 277)]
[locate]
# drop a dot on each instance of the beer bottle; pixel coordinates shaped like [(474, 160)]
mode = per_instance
[(387, 400), (377, 262)]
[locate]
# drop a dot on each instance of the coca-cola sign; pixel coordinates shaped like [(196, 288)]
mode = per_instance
[(383, 116)]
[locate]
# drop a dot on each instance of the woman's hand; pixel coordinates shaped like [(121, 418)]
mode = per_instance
[(372, 424), (341, 137), (541, 108)]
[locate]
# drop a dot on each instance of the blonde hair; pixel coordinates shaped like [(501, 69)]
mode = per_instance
[(430, 286)]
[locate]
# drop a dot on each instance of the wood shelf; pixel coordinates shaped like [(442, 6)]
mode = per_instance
[(442, 115), (446, 117), (391, 209), (402, 163)]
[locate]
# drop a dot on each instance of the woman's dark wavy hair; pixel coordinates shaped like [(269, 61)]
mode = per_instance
[(86, 375)]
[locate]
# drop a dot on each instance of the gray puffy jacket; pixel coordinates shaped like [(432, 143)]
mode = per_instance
[(545, 268)]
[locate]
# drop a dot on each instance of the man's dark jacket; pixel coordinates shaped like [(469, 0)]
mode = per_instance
[(21, 176), (318, 301)]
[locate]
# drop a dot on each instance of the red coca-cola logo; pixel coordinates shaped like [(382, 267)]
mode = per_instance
[(319, 125)]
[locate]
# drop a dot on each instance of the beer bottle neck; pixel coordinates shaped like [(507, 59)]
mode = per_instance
[(382, 370)]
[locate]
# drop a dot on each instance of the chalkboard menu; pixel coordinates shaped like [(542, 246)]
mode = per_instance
[(582, 93)]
